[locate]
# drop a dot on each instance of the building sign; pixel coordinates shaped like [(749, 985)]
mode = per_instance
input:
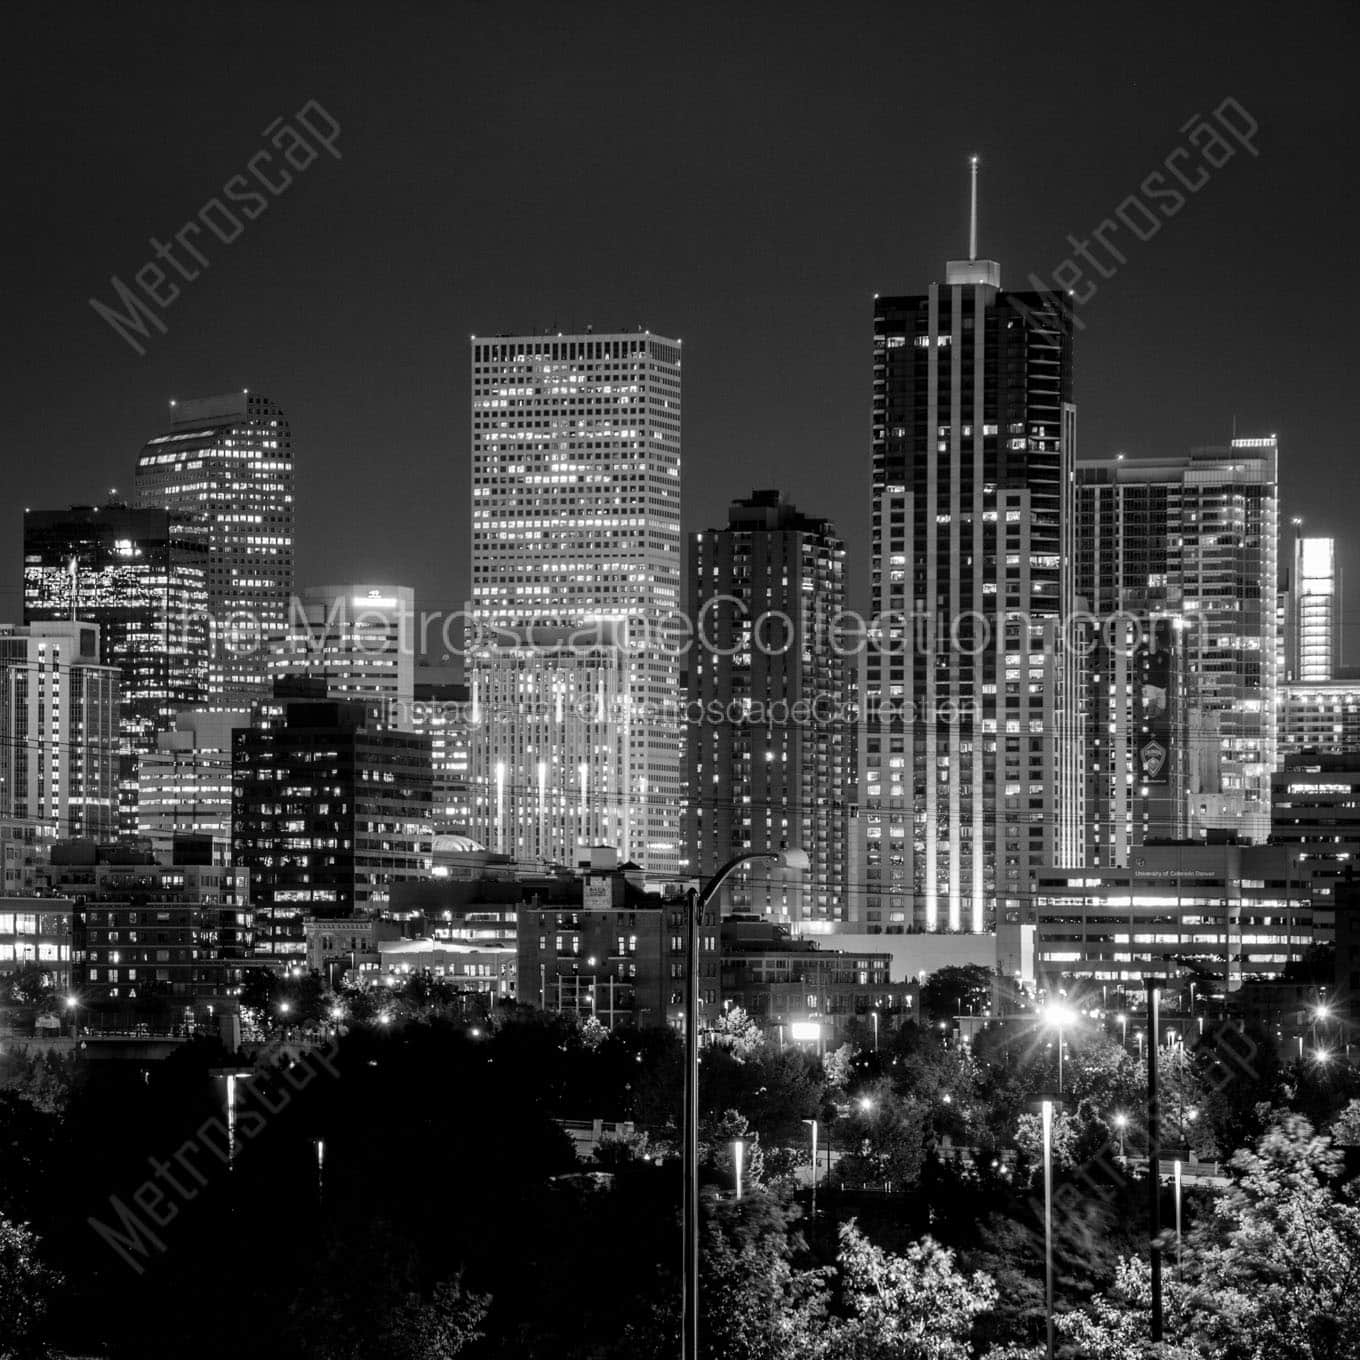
[(1154, 748), (598, 895)]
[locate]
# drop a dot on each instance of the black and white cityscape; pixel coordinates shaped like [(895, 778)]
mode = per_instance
[(680, 683)]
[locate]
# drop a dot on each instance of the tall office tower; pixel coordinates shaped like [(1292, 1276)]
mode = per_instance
[(576, 526), (360, 640), (442, 710), (1323, 718), (58, 730), (1136, 741), (1195, 537), (230, 458), (328, 811), (970, 756), (769, 760), (141, 575), (1312, 622), (184, 785)]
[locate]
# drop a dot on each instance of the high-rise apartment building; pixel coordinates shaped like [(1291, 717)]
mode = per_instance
[(1316, 813), (141, 575), (58, 730), (576, 535), (360, 640), (1323, 717), (970, 761), (1194, 538), (769, 741), (328, 811), (230, 459)]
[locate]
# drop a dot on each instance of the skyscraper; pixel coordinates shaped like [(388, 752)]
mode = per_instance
[(141, 575), (328, 812), (230, 459), (1195, 537), (442, 709), (970, 759), (575, 592), (769, 758), (58, 730), (1313, 612)]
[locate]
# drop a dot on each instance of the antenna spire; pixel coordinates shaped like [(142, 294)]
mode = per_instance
[(973, 208)]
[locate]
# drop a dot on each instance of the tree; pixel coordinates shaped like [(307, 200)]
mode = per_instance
[(30, 985), (882, 1139), (839, 1066), (1346, 1126), (436, 1328), (716, 1136), (957, 990), (912, 1307), (735, 1031), (1029, 1140), (26, 1289), (1279, 1262)]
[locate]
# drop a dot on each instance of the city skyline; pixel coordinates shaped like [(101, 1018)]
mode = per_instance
[(1220, 268)]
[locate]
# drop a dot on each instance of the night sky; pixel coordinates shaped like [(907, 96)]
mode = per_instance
[(742, 176)]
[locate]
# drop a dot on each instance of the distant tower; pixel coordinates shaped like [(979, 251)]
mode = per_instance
[(230, 458), (1194, 537), (1312, 610), (766, 594), (970, 760), (575, 590)]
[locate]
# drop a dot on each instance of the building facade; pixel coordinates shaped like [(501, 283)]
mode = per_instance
[(1312, 622), (1315, 812), (327, 813), (1241, 913), (442, 710), (141, 575), (576, 523), (184, 785), (59, 736), (769, 738), (1322, 716), (970, 769), (1195, 538), (230, 459), (359, 639)]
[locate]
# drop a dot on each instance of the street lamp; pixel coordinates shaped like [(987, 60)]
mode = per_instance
[(874, 1013), (812, 1125), (1123, 1028), (1177, 1180), (1059, 1016), (1121, 1122), (738, 1157), (72, 1004), (697, 900), (1047, 1108)]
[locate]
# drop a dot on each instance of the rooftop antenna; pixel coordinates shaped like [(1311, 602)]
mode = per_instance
[(972, 212)]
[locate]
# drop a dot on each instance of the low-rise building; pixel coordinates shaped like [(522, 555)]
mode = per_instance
[(1239, 912), (783, 981), (36, 930)]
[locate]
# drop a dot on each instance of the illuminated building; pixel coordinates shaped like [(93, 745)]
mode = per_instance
[(576, 522), (359, 640), (141, 575), (230, 459), (550, 738), (970, 768), (1322, 717), (1240, 912), (1194, 536), (327, 812), (184, 785), (442, 709), (143, 931), (1137, 756), (1312, 612), (1316, 812), (36, 930), (58, 730), (769, 760)]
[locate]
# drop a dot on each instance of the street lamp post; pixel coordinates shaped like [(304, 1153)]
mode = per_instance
[(697, 902), (1121, 1122), (738, 1157), (812, 1125), (1177, 1180), (874, 1013), (1153, 986), (1048, 1220), (1059, 1016)]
